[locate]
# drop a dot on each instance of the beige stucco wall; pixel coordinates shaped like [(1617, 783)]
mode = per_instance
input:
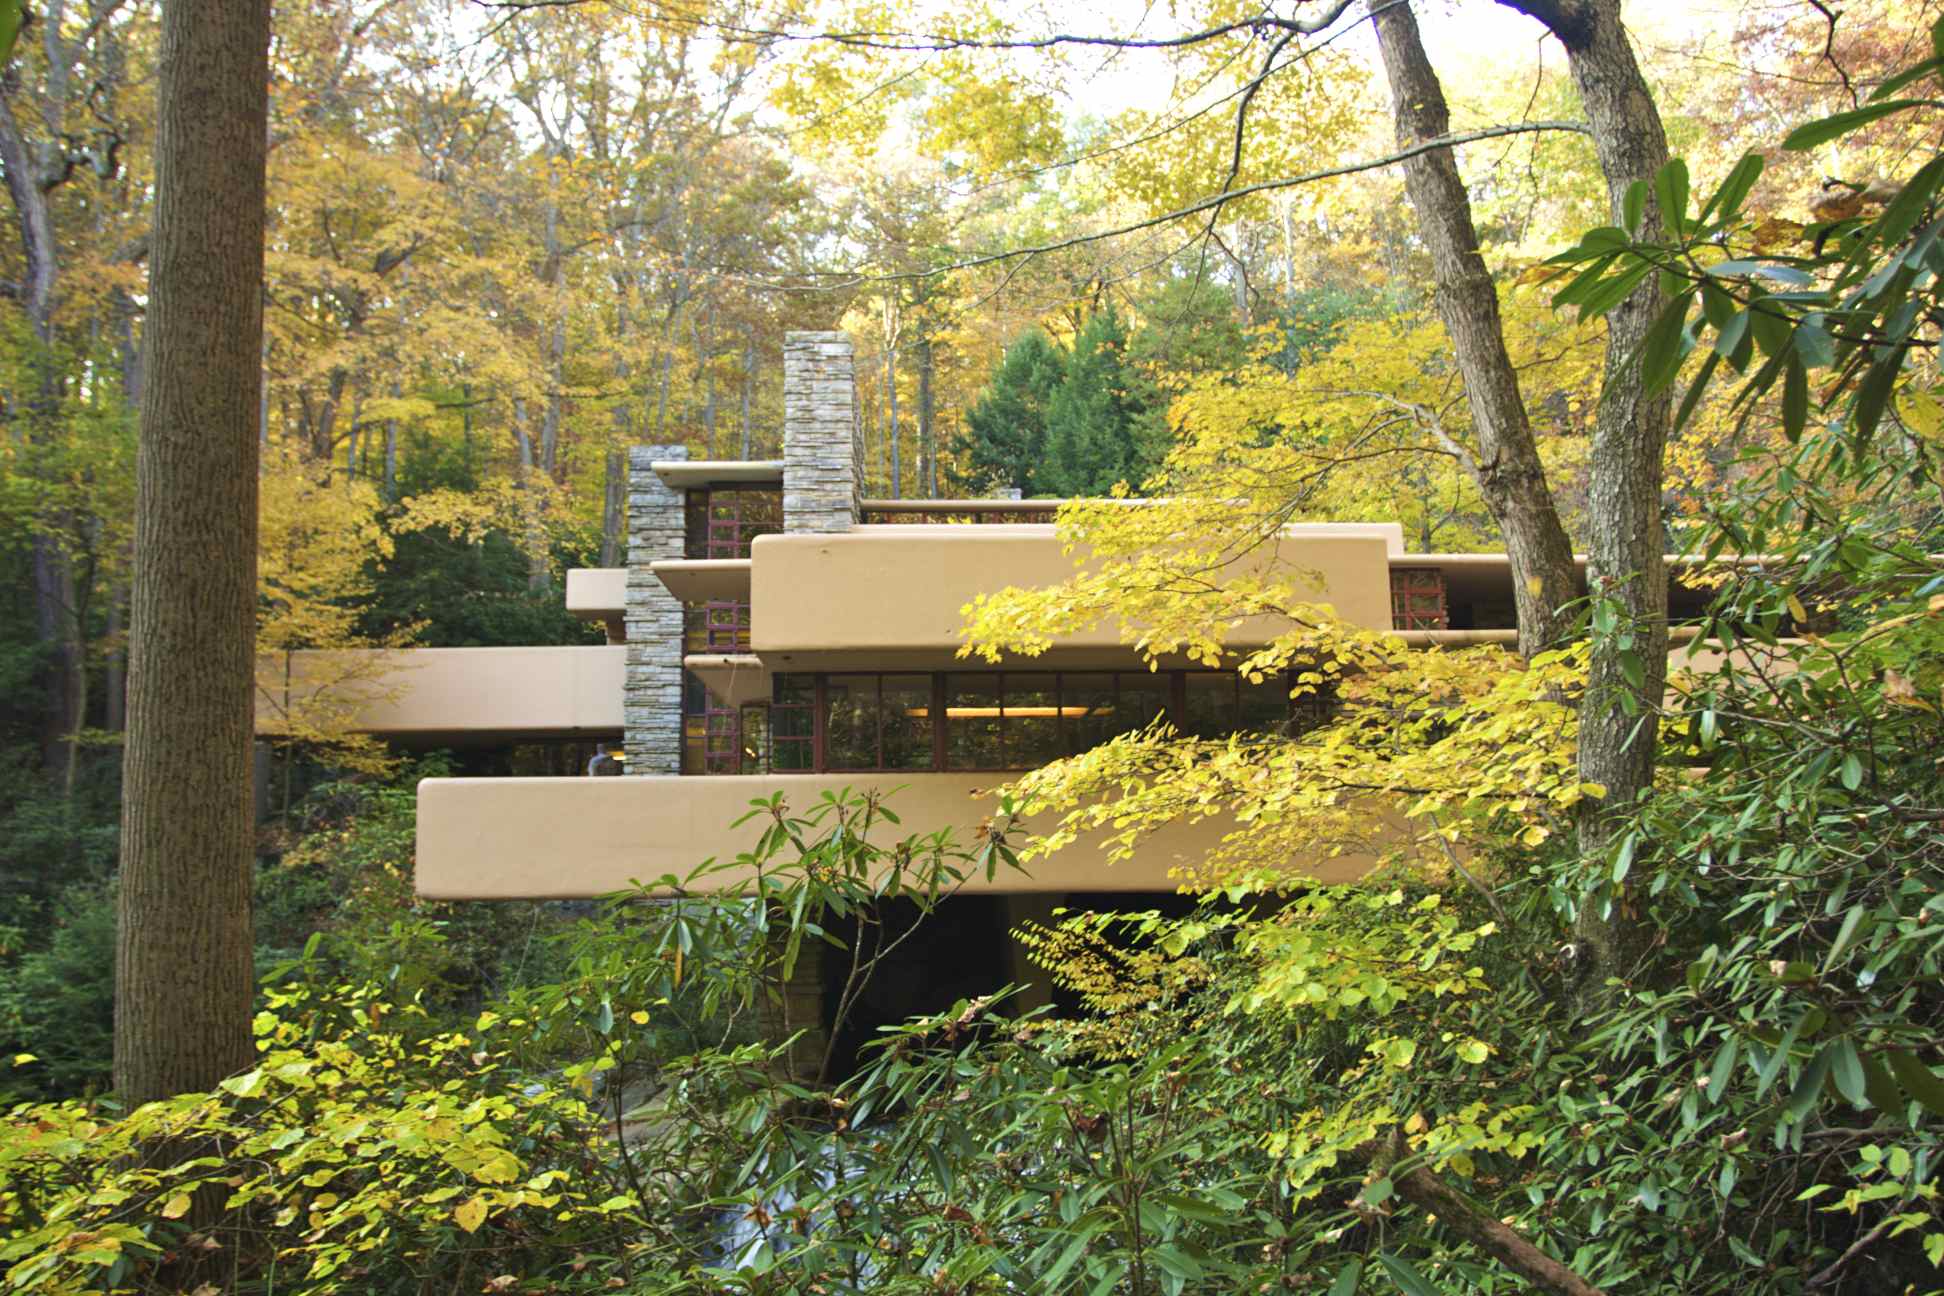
[(564, 838), (456, 693), (884, 594)]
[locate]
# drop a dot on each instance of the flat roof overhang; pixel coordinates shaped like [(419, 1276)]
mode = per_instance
[(1486, 578), (692, 474), (452, 696), (597, 593), (704, 580), (600, 594)]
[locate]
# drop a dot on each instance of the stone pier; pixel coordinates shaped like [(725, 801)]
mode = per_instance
[(652, 711)]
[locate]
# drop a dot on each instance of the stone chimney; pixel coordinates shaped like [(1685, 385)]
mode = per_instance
[(819, 415)]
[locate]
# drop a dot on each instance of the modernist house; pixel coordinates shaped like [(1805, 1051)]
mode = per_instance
[(774, 631)]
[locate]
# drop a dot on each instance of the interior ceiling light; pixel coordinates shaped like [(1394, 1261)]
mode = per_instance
[(994, 712)]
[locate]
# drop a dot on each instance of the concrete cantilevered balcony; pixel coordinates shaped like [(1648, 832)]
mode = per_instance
[(484, 839), (453, 696)]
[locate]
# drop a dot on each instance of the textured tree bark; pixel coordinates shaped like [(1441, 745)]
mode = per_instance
[(183, 977), (1625, 557), (527, 479), (614, 497), (891, 398), (927, 421), (748, 377), (1506, 463), (114, 689)]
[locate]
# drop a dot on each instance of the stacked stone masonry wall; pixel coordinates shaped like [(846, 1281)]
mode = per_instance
[(819, 418), (652, 710)]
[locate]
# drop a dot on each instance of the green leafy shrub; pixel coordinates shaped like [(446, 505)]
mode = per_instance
[(354, 1159)]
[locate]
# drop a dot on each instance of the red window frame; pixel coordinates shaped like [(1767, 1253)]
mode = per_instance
[(1418, 600)]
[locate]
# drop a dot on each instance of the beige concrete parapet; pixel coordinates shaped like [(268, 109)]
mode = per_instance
[(887, 594), (495, 839)]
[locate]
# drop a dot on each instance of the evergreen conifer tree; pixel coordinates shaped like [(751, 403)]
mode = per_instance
[(1099, 428), (1004, 440)]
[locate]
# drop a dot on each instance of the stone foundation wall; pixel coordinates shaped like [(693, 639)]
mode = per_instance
[(652, 709)]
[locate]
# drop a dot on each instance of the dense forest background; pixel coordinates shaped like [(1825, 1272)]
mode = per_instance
[(506, 244)]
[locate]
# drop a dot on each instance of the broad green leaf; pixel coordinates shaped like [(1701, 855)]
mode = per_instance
[(1814, 345), (1745, 268), (1910, 75), (1846, 1069), (1873, 394), (1406, 1276), (1911, 202), (1851, 921), (1809, 1087), (1795, 397), (1727, 200), (1696, 389), (1665, 344), (1730, 336), (1671, 190), (1881, 1088), (1723, 1069), (1176, 1261), (1634, 206), (1823, 130), (1917, 1080), (1346, 1279)]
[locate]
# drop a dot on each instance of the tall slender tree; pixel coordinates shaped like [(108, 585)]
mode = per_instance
[(183, 975)]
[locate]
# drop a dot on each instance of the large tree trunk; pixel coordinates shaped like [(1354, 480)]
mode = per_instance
[(927, 423), (114, 694), (183, 976), (1625, 561), (891, 416), (614, 507), (1505, 463), (748, 377)]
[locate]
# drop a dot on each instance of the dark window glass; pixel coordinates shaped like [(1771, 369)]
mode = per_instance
[(850, 722), (793, 724), (695, 518), (1312, 708), (1265, 706), (906, 717), (1142, 697), (1209, 703), (1090, 717), (972, 725), (1032, 720)]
